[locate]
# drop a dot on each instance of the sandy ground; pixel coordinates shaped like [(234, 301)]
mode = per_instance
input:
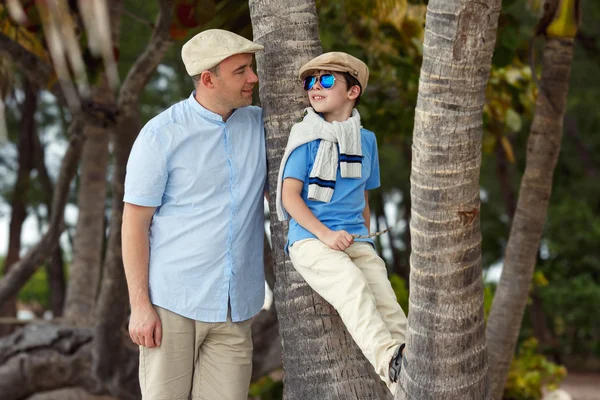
[(582, 386)]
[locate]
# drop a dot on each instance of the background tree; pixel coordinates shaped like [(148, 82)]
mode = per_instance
[(559, 27)]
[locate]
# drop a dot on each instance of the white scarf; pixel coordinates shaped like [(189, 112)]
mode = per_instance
[(324, 171)]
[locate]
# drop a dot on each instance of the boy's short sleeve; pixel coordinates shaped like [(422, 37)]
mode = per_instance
[(373, 182), (147, 173), (297, 164)]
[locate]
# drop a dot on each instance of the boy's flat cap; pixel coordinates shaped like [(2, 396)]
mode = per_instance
[(339, 62), (208, 48)]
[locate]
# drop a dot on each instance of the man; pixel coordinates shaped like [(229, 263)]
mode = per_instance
[(193, 229)]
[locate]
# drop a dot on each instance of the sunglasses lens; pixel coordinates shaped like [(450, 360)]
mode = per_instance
[(309, 82), (327, 81)]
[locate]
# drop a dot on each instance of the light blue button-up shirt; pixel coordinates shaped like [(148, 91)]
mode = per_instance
[(206, 177)]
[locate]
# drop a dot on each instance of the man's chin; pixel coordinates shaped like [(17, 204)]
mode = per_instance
[(245, 102)]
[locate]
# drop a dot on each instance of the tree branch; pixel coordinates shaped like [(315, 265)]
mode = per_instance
[(41, 73), (146, 64), (20, 272)]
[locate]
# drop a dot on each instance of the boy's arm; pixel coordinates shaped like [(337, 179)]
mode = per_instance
[(367, 211), (297, 208), (144, 324)]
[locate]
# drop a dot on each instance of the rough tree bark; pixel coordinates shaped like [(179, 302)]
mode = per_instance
[(543, 148), (320, 359), (445, 357)]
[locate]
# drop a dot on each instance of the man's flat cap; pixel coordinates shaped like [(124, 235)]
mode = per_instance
[(208, 48)]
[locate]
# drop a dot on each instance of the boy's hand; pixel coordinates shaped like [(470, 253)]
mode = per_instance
[(337, 240)]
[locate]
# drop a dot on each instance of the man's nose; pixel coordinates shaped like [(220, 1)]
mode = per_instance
[(253, 78)]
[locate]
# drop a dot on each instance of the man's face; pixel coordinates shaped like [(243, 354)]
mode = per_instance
[(235, 80), (329, 100)]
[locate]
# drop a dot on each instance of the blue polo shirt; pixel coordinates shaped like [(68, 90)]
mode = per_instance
[(206, 177), (344, 211)]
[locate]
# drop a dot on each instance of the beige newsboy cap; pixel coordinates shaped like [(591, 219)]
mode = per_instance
[(210, 47), (340, 62)]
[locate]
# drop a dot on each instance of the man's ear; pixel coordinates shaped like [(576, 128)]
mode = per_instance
[(354, 92), (206, 79)]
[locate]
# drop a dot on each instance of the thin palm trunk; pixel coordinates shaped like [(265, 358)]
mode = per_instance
[(89, 239), (543, 147), (89, 233), (445, 357), (320, 359)]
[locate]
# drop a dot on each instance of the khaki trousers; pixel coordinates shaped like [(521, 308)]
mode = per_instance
[(197, 360), (355, 283)]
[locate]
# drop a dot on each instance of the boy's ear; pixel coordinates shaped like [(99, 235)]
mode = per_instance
[(206, 79), (354, 92)]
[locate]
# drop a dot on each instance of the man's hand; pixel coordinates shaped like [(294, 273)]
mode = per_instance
[(337, 240), (145, 328)]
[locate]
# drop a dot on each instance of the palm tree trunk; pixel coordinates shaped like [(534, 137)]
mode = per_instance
[(56, 281), (89, 237), (320, 359), (445, 357), (543, 147), (89, 241)]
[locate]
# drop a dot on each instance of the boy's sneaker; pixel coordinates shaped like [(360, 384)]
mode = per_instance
[(396, 363)]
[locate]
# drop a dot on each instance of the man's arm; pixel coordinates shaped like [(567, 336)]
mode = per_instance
[(297, 208), (367, 211), (144, 325)]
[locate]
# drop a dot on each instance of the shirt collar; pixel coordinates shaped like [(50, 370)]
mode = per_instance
[(207, 114)]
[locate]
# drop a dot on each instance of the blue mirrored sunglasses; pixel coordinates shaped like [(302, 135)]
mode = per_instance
[(326, 80)]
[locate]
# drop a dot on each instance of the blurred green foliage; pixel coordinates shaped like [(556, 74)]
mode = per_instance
[(36, 290), (529, 372)]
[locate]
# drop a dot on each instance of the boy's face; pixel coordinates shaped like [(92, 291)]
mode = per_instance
[(338, 97)]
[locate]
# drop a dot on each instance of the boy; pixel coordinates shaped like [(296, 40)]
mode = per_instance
[(327, 200)]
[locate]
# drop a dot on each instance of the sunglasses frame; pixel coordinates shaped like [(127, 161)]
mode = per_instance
[(313, 79)]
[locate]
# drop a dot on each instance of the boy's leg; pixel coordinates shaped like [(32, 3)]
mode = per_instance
[(224, 364), (366, 259), (333, 275), (166, 371)]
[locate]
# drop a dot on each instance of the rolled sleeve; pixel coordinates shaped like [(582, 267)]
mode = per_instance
[(297, 164), (147, 174), (373, 182)]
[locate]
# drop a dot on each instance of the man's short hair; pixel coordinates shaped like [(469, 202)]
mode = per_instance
[(352, 81), (196, 78)]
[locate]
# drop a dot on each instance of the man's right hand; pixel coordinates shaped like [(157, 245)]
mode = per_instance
[(337, 240), (145, 328)]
